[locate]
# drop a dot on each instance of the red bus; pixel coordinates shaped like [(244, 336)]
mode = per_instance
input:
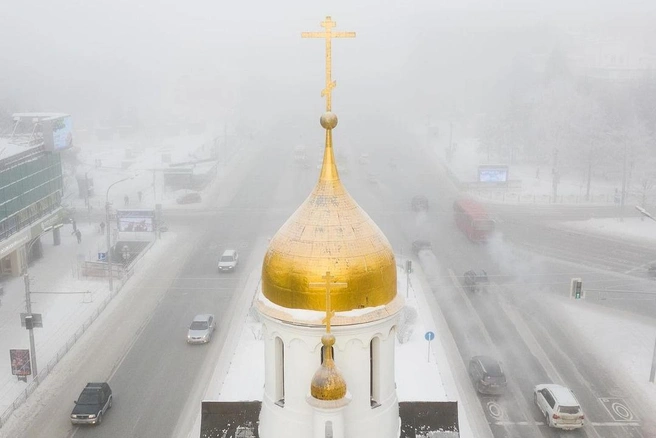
[(472, 218)]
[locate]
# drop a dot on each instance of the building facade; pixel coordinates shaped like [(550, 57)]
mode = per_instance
[(30, 202)]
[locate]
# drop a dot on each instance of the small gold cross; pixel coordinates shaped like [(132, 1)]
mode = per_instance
[(328, 284)]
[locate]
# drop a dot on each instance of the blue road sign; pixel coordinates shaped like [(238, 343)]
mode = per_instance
[(429, 336), (102, 256)]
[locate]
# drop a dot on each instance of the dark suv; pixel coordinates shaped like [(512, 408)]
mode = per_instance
[(487, 375), (92, 404)]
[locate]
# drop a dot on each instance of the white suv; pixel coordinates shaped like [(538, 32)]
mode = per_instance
[(228, 261), (559, 406)]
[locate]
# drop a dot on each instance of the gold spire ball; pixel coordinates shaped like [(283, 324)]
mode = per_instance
[(329, 232), (327, 382)]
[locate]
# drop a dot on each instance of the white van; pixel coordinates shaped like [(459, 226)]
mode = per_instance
[(228, 261), (559, 406)]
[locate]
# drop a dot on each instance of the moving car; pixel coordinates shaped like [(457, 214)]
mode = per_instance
[(94, 400), (559, 406), (487, 375), (228, 260), (419, 203), (419, 245), (475, 281), (201, 329), (189, 198)]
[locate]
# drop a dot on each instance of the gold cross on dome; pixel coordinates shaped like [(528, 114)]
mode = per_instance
[(328, 24), (328, 284)]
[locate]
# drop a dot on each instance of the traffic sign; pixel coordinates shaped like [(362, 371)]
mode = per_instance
[(37, 320), (429, 336), (102, 256)]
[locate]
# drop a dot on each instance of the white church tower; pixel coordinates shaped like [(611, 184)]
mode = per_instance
[(329, 308)]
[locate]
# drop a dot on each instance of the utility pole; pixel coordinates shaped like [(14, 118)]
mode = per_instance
[(108, 255), (225, 138), (30, 327), (554, 173), (652, 374), (623, 197), (154, 187), (450, 140)]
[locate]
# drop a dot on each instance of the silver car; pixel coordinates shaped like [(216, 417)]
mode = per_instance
[(201, 329)]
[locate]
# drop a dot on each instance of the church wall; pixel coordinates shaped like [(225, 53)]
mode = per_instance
[(302, 346)]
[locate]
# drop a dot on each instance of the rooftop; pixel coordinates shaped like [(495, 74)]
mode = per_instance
[(10, 147)]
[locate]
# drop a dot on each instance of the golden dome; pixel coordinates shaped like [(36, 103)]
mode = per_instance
[(329, 232), (327, 382)]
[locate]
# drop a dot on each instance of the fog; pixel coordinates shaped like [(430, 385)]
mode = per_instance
[(107, 60)]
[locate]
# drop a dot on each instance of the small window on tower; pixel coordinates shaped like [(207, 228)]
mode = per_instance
[(374, 372), (280, 373), (329, 429)]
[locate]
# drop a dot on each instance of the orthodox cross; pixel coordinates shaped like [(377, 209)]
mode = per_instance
[(328, 24), (328, 284)]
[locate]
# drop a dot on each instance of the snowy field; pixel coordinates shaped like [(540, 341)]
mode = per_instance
[(633, 228)]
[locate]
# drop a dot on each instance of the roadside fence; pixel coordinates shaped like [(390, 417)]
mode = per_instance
[(125, 274)]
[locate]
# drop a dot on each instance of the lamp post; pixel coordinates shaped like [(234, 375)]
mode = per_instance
[(109, 248), (652, 373), (28, 303)]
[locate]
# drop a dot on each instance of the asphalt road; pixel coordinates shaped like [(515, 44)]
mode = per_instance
[(513, 320), (158, 374), (161, 373)]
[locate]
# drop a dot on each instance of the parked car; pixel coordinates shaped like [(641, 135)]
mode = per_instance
[(419, 245), (475, 281), (651, 270), (228, 260), (93, 402), (559, 406), (189, 198), (487, 375), (419, 203), (201, 329)]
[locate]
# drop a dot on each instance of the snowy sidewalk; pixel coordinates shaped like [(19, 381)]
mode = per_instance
[(60, 294)]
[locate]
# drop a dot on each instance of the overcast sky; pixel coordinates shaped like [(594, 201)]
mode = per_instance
[(97, 57)]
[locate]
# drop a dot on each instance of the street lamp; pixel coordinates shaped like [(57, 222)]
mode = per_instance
[(652, 373), (645, 213), (109, 248), (28, 302)]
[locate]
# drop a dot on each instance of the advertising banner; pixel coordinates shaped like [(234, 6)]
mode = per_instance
[(493, 173), (20, 362), (58, 133), (136, 220)]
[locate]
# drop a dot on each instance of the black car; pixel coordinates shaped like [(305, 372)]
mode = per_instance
[(474, 281), (419, 245), (189, 198), (419, 203), (92, 404), (487, 375)]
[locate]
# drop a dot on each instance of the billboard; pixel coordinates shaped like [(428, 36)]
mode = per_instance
[(136, 220), (493, 173), (57, 133), (20, 362)]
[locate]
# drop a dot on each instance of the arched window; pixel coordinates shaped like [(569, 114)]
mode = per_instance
[(280, 372), (374, 372), (328, 429)]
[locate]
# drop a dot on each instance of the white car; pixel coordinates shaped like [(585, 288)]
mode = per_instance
[(559, 406), (201, 329), (228, 261)]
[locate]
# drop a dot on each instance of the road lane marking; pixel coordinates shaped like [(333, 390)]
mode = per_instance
[(512, 387), (540, 423)]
